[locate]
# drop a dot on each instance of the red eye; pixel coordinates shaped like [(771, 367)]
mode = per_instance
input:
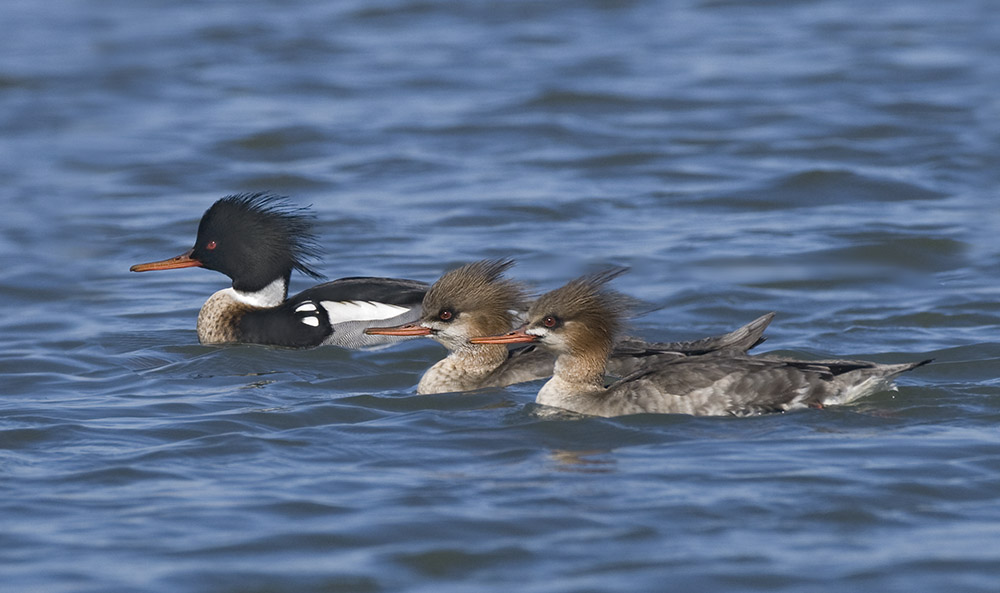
[(550, 321), (445, 315), (210, 245)]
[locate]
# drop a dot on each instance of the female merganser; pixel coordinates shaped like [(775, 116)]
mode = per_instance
[(578, 323), (256, 240), (476, 300)]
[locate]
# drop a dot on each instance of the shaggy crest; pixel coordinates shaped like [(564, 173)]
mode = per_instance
[(585, 300), (479, 287), (261, 228)]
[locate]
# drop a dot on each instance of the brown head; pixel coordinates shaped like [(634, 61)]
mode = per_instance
[(581, 317), (473, 300)]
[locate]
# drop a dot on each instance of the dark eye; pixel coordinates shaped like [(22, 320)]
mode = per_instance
[(445, 315), (210, 245), (550, 321)]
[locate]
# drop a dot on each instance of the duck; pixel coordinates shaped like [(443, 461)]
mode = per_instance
[(578, 323), (257, 240), (476, 299)]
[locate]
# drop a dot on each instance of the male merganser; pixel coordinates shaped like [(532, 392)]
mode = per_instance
[(256, 240), (578, 323), (476, 300)]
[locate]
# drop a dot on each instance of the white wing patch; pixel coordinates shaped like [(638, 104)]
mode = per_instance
[(306, 306), (310, 312), (345, 311)]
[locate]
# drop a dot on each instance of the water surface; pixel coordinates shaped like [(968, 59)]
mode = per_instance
[(834, 161)]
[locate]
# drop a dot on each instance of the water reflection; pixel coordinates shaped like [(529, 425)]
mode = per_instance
[(584, 461)]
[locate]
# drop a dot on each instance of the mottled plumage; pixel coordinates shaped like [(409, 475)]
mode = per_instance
[(578, 322)]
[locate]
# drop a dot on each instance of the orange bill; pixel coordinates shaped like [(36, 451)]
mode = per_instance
[(515, 337), (410, 329), (183, 260)]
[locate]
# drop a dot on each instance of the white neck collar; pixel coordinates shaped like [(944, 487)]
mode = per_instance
[(271, 295)]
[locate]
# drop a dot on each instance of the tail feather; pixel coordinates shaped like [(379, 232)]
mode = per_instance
[(862, 382), (737, 341)]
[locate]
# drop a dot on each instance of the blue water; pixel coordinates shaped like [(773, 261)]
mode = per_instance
[(834, 161)]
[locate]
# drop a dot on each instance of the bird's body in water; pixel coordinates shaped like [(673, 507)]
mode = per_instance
[(476, 299), (257, 240), (578, 324)]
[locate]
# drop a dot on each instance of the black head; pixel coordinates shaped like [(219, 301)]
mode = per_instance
[(255, 239)]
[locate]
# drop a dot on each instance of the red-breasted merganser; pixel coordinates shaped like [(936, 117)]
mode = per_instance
[(477, 300), (257, 240), (578, 323)]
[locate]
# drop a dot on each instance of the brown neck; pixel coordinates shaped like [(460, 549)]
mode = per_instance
[(583, 368)]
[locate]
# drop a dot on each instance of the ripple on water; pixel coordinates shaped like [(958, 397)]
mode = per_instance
[(822, 187), (831, 161)]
